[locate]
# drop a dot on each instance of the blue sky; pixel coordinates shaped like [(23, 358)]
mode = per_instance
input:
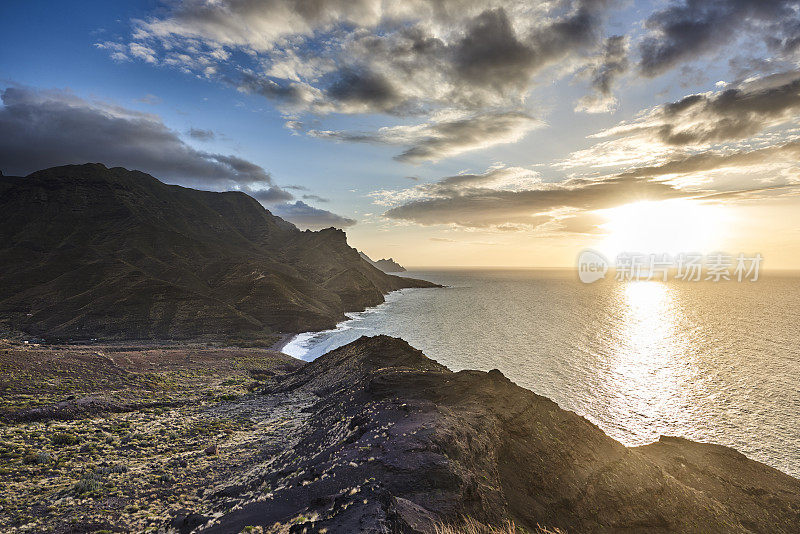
[(246, 72)]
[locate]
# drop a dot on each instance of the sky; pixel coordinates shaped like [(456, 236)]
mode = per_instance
[(436, 132)]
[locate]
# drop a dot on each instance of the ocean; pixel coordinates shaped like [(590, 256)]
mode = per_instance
[(713, 362)]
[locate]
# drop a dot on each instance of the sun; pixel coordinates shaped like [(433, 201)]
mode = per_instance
[(664, 227)]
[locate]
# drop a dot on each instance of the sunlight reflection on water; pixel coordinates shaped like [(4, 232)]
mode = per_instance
[(645, 377)]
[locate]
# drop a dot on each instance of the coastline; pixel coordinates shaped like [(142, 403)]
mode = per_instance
[(291, 345), (283, 340)]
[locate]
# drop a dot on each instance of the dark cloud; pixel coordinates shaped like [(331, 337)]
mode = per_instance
[(201, 135), (307, 217), (614, 62), (728, 115), (365, 89), (270, 195), (403, 69), (688, 29), (731, 114), (315, 197), (292, 94), (491, 53), (448, 138), (40, 129), (610, 65)]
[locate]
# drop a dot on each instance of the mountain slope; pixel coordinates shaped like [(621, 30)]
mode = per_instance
[(87, 251)]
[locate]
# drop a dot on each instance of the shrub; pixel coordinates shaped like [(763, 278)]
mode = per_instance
[(63, 438), (116, 468), (40, 457), (88, 484)]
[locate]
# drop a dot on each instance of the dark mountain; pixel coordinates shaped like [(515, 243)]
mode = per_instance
[(387, 266), (87, 251)]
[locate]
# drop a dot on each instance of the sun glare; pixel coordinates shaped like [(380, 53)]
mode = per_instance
[(669, 226)]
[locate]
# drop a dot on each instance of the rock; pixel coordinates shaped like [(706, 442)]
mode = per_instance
[(415, 518), (212, 450), (186, 521)]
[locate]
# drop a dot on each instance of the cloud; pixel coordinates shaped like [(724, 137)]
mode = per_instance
[(711, 161), (495, 178), (201, 135), (40, 129), (687, 29), (315, 197), (446, 136), (492, 54), (609, 66), (530, 208), (269, 195), (419, 58), (513, 198), (255, 25), (366, 90), (149, 99), (698, 122), (307, 217), (143, 52), (734, 113)]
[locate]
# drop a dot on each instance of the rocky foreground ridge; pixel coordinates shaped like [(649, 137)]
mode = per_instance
[(92, 252), (394, 442)]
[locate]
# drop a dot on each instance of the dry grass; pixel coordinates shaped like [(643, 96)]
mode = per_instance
[(471, 526)]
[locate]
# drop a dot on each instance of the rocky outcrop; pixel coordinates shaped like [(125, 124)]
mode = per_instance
[(87, 251), (398, 443), (385, 265)]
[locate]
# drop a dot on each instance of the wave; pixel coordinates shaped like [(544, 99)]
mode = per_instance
[(309, 346)]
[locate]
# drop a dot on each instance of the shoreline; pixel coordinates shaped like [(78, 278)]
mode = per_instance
[(351, 316), (284, 339)]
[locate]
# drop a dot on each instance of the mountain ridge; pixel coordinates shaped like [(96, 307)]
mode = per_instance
[(91, 251), (396, 442)]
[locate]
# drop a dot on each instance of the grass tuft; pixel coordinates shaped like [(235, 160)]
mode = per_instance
[(471, 526)]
